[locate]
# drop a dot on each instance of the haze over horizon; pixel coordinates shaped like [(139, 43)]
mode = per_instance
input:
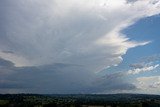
[(79, 46)]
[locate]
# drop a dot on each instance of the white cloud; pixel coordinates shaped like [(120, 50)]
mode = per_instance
[(143, 69), (149, 84), (155, 85), (81, 32)]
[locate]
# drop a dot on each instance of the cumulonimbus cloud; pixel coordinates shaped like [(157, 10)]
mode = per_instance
[(84, 33)]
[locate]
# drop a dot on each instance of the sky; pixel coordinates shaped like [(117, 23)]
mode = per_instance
[(79, 46)]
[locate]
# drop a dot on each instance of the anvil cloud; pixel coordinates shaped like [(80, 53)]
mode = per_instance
[(79, 33)]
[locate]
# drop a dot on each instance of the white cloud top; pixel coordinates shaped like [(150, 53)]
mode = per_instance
[(74, 31)]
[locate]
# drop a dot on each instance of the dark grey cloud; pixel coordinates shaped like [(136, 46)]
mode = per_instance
[(110, 83), (152, 58), (137, 65), (5, 63), (8, 52), (55, 78), (13, 85), (131, 1), (59, 78)]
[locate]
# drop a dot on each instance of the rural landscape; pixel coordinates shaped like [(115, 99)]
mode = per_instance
[(79, 100), (79, 53)]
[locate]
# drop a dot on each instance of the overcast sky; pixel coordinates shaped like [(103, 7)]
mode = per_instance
[(80, 46)]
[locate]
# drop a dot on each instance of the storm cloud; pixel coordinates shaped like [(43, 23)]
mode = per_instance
[(57, 46)]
